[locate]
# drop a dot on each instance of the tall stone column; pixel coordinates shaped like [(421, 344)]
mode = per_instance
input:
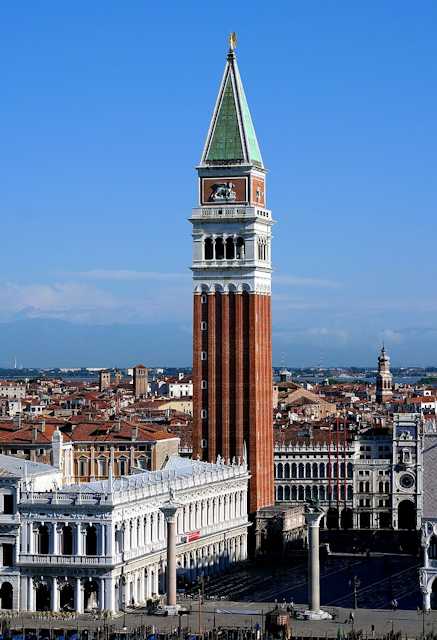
[(30, 594), (55, 595), (78, 596), (169, 509), (313, 514)]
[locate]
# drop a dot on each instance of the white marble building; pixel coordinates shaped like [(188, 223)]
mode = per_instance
[(101, 545)]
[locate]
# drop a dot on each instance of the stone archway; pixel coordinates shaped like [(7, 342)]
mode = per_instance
[(91, 595), (6, 595), (434, 595), (347, 518), (66, 597), (332, 518), (42, 597), (406, 515)]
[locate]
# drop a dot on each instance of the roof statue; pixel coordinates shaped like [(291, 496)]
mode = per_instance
[(232, 41), (313, 506)]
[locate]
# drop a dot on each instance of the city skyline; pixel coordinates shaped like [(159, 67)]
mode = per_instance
[(103, 251)]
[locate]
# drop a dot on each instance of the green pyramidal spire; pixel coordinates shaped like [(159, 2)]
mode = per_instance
[(231, 137)]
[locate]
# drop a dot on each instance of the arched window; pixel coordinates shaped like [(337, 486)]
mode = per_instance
[(301, 470), (287, 492), (142, 462), (349, 492), (307, 492), (91, 541), (315, 470), (43, 539), (322, 492), (67, 541), (240, 249), (301, 493), (294, 492), (308, 470), (101, 467), (122, 466), (280, 493), (322, 470), (350, 470), (387, 487), (406, 456), (286, 470), (315, 492), (294, 470), (280, 471), (219, 249), (208, 249), (83, 467), (230, 249), (381, 487)]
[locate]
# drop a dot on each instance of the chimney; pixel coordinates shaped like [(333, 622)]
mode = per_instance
[(34, 434), (43, 426), (135, 432)]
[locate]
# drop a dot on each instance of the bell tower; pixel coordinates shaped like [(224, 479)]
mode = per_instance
[(232, 352), (384, 378)]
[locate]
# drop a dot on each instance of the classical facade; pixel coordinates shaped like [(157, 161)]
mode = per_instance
[(370, 481), (102, 545), (384, 378), (320, 471), (232, 360), (17, 476)]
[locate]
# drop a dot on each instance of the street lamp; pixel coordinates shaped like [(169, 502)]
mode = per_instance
[(355, 583), (423, 612)]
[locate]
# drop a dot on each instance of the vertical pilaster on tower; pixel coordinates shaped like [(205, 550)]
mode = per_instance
[(140, 380), (232, 352), (384, 378)]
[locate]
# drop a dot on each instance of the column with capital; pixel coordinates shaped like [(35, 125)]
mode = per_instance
[(30, 594), (169, 509), (109, 594), (78, 596), (313, 514), (55, 594)]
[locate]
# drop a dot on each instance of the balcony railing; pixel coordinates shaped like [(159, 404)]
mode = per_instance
[(231, 212), (55, 560)]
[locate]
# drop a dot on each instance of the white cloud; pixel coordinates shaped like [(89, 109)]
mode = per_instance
[(129, 275), (303, 281), (309, 334), (392, 336), (87, 303)]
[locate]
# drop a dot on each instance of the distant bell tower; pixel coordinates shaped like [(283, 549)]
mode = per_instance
[(232, 350), (140, 380), (384, 378)]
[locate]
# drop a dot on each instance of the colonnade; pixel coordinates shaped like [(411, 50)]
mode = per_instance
[(75, 538)]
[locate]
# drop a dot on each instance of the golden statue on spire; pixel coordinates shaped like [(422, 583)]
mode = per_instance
[(232, 41)]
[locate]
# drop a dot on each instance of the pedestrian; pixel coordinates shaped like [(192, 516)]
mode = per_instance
[(351, 617), (372, 629)]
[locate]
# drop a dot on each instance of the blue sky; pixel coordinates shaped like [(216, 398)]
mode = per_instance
[(103, 115)]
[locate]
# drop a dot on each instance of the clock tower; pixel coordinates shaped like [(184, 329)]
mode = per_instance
[(232, 351)]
